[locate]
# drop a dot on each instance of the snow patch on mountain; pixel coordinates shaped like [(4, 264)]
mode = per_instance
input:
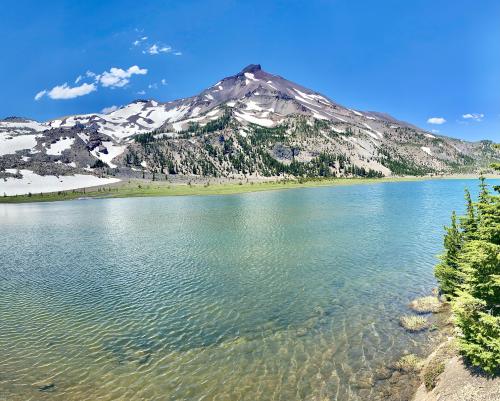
[(250, 76), (427, 150), (21, 126), (34, 183), (356, 112), (11, 144), (111, 151), (60, 146), (265, 122)]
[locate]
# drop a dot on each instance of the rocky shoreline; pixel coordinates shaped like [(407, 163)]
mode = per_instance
[(443, 375), (459, 382)]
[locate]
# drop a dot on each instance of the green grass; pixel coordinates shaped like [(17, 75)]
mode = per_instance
[(409, 363), (135, 188), (432, 373), (435, 364)]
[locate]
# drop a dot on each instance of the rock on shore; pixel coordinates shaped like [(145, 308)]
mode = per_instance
[(458, 383)]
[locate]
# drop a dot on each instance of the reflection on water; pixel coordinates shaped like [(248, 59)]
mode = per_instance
[(287, 295)]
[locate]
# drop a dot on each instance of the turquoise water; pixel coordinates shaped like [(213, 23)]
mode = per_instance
[(284, 295)]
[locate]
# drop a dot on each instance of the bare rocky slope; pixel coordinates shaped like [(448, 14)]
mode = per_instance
[(250, 124)]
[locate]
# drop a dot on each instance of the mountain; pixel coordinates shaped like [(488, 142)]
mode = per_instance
[(250, 124)]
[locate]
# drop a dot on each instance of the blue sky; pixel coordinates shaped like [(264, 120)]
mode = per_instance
[(417, 60)]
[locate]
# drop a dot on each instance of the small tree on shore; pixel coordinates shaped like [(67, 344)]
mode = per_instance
[(468, 222), (447, 272)]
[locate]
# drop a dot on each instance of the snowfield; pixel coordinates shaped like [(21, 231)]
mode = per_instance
[(36, 184), (265, 122), (113, 151), (60, 146), (356, 112), (22, 127), (10, 144), (426, 150)]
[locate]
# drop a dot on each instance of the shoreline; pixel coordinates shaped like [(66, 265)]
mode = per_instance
[(442, 374), (147, 188), (405, 375), (446, 376)]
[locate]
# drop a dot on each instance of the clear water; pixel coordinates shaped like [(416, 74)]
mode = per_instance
[(285, 295)]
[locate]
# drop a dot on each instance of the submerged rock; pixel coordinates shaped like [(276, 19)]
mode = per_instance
[(382, 374), (426, 305), (45, 386), (362, 384), (130, 349), (413, 323)]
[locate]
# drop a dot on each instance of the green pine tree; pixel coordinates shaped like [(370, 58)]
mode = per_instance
[(468, 223), (447, 272), (483, 190)]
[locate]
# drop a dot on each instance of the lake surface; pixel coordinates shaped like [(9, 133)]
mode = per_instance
[(284, 295)]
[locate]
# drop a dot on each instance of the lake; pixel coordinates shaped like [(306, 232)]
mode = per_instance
[(281, 295)]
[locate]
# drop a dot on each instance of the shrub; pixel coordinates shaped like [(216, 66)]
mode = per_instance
[(479, 338), (431, 374), (409, 363), (99, 164)]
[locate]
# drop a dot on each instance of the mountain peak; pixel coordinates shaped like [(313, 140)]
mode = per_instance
[(251, 68)]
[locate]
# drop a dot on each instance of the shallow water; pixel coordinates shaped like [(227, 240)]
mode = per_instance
[(285, 295)]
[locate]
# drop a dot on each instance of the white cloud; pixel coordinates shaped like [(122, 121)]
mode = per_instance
[(109, 109), (155, 85), (152, 50), (143, 92), (67, 92), (473, 116), (436, 120), (114, 78), (157, 49), (138, 41), (40, 94), (153, 47), (435, 131), (117, 78)]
